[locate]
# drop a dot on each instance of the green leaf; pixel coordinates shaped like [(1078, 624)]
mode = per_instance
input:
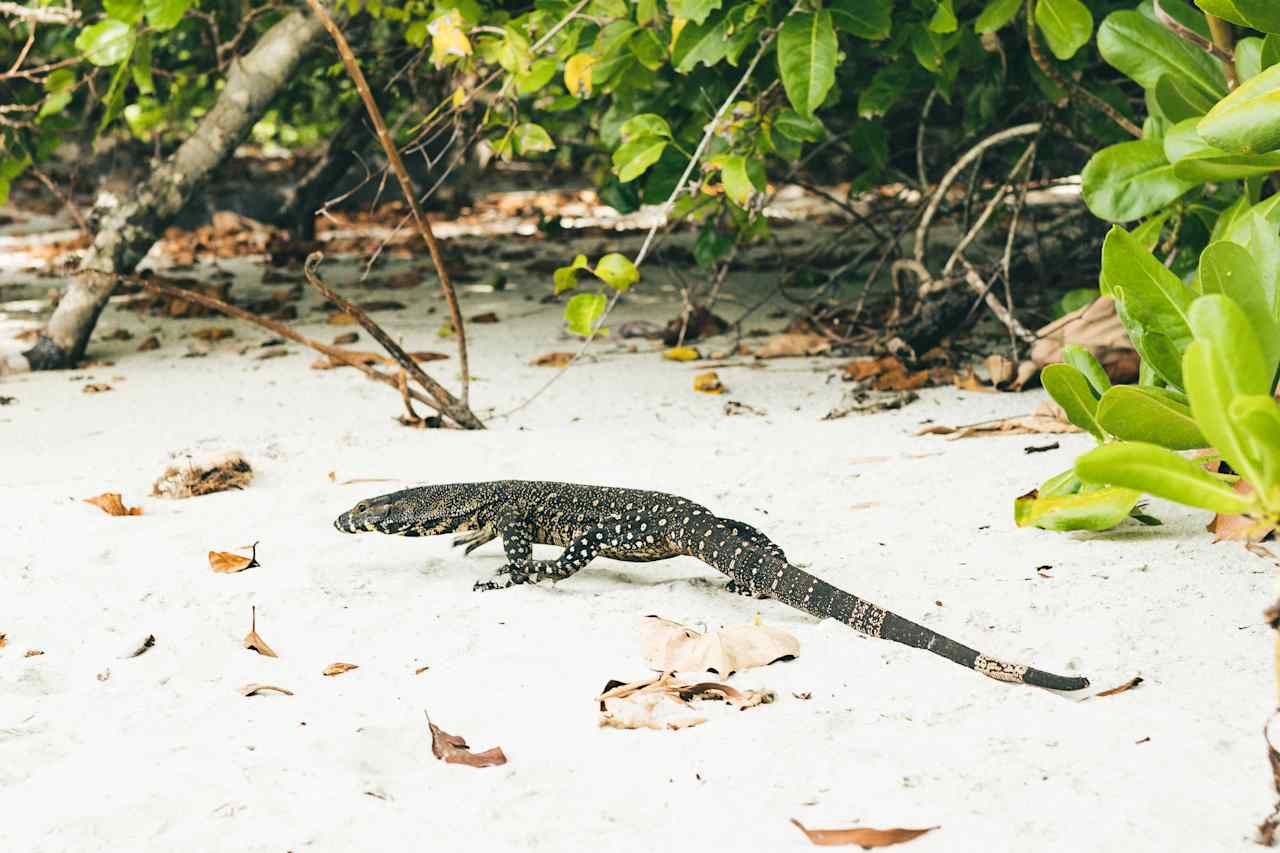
[(1151, 415), (1218, 320), (126, 11), (1063, 483), (1100, 509), (712, 245), (583, 310), (645, 124), (800, 128), (1130, 180), (1075, 299), (1218, 166), (1262, 15), (416, 33), (1248, 53), (1150, 300), (114, 99), (540, 74), (566, 278), (1257, 232), (140, 66), (733, 174), (1259, 415), (60, 86), (1229, 269), (927, 46), (1247, 121), (1066, 24), (705, 43), (944, 18), (1160, 472), (1143, 50), (1082, 360), (1179, 100), (532, 139), (164, 15), (632, 158), (617, 271), (648, 49), (887, 84), (1148, 233), (1070, 390), (807, 59), (695, 10), (995, 15), (106, 42), (866, 19)]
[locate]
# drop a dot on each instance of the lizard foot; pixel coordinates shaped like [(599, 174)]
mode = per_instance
[(514, 577)]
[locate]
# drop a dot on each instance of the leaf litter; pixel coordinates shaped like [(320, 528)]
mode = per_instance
[(453, 749), (665, 703), (253, 641), (229, 563), (865, 837), (671, 647), (113, 504)]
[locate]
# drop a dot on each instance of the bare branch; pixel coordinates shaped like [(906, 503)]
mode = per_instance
[(45, 15)]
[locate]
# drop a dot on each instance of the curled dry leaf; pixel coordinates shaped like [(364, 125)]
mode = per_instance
[(1128, 685), (663, 702), (96, 388), (112, 504), (863, 836), (1048, 418), (669, 647), (255, 642), (552, 359), (453, 749), (213, 333), (733, 407), (255, 689), (32, 653), (149, 344), (1240, 528), (793, 344), (708, 383), (1000, 369), (681, 354), (228, 563), (339, 668)]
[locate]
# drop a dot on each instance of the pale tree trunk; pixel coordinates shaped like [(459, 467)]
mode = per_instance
[(127, 229)]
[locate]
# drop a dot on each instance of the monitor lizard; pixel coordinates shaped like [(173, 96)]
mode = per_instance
[(641, 526)]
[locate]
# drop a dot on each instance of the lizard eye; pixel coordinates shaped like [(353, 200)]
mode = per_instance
[(362, 506)]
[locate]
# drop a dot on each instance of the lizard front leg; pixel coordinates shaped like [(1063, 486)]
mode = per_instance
[(622, 535)]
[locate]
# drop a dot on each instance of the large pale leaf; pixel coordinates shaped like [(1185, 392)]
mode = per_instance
[(1263, 15), (1247, 121), (1070, 390), (694, 10), (1229, 269), (632, 158), (106, 42), (1130, 180), (1160, 472), (1143, 50), (807, 59), (1150, 415)]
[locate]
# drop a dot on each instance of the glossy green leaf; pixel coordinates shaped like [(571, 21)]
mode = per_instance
[(1147, 235), (566, 278), (733, 174), (695, 10), (1179, 100), (800, 128), (866, 19), (995, 15), (541, 72), (1130, 180), (126, 11), (1150, 415), (1259, 416), (1248, 53), (583, 310), (705, 43), (165, 14), (532, 139), (1230, 269), (807, 59), (648, 49), (1062, 483), (617, 271), (1152, 295), (1099, 509), (106, 42), (632, 158), (1144, 50), (1070, 390), (1212, 383), (1218, 320), (59, 87), (944, 18), (1247, 121), (645, 124), (1160, 472), (1263, 15), (1066, 24), (1082, 360)]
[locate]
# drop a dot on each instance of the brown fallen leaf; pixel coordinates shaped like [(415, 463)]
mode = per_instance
[(142, 647), (664, 703), (228, 563), (213, 333), (864, 836), (149, 344), (968, 381), (681, 354), (421, 669), (1240, 528), (112, 504), (803, 695), (1048, 418), (1000, 369), (1128, 685), (96, 388), (330, 362), (341, 318), (486, 317), (339, 668), (4, 639), (1096, 327), (453, 749), (253, 641), (671, 647), (345, 338), (255, 689), (272, 352), (32, 653), (552, 359), (708, 383), (733, 407), (793, 344)]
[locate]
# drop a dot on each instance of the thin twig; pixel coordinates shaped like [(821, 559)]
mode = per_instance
[(924, 116), (1072, 88), (449, 404), (406, 189), (46, 15), (1004, 189)]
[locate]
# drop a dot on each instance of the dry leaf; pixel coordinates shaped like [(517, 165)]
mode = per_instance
[(253, 641), (803, 695), (421, 669), (96, 388), (341, 318), (1001, 369), (1048, 418), (1240, 528), (486, 317), (255, 689), (664, 703), (669, 647), (228, 563), (142, 647), (371, 358), (1128, 685), (733, 407), (681, 354), (708, 383), (273, 352), (790, 344), (339, 668), (552, 359), (4, 639), (968, 381), (864, 836), (213, 333), (452, 749), (32, 653), (346, 338), (112, 504), (1096, 327), (216, 473), (149, 344)]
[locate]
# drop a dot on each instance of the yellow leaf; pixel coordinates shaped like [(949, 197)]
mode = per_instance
[(577, 74), (677, 24), (459, 97), (681, 354), (708, 383), (447, 38)]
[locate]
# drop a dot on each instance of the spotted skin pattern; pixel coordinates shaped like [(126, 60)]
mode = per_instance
[(641, 526)]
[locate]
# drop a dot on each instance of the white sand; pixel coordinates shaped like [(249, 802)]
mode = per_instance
[(165, 754)]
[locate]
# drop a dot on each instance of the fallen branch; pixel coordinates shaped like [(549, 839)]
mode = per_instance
[(406, 188), (447, 403)]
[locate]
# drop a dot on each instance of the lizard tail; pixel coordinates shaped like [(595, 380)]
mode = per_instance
[(803, 591)]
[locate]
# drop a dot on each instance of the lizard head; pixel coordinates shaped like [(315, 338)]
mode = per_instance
[(424, 511)]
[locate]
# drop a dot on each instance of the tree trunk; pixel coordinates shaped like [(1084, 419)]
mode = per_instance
[(127, 229)]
